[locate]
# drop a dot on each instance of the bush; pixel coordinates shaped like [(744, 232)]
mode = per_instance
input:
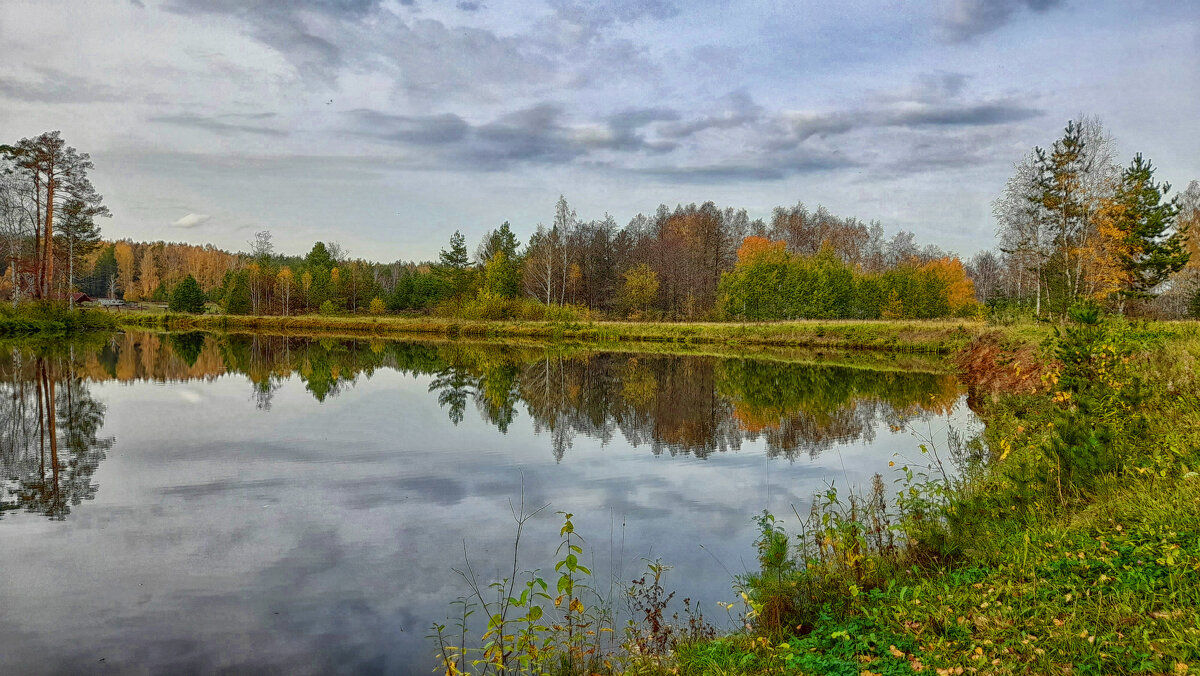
[(492, 307), (378, 307), (45, 316), (327, 308), (187, 297)]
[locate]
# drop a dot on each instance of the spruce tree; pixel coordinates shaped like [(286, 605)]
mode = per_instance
[(187, 297)]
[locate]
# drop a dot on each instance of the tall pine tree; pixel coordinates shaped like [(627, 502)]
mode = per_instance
[(1153, 248)]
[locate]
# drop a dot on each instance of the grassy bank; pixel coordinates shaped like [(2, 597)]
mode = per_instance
[(944, 336), (1075, 548), (1069, 545), (51, 319)]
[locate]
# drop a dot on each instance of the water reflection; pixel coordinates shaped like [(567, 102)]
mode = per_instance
[(674, 404), (262, 504), (50, 445)]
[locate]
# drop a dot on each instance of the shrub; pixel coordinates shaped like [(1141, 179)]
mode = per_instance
[(327, 308), (378, 307)]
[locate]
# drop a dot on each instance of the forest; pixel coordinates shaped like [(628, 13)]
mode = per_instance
[(1072, 224)]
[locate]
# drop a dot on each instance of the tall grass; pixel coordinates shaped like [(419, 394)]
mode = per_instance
[(51, 317)]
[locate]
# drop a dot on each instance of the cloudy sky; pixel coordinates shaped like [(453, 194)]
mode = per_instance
[(387, 124)]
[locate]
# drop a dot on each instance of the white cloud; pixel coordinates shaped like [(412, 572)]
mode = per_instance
[(191, 221)]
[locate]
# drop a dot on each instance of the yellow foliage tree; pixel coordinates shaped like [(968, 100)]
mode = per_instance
[(148, 279), (761, 250), (960, 290), (286, 280), (123, 251)]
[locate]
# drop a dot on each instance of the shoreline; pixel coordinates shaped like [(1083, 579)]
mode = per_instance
[(942, 337)]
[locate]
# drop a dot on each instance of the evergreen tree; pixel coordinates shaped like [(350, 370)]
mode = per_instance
[(187, 297), (104, 273), (1153, 249), (319, 257), (237, 294), (455, 262), (77, 227)]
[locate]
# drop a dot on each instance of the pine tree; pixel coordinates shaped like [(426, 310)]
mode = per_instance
[(1153, 248), (454, 264)]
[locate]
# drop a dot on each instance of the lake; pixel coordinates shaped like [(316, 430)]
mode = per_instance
[(192, 503)]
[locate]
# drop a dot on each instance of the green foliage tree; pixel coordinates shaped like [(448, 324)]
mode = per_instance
[(187, 345), (319, 257), (104, 274), (1153, 249), (501, 276), (237, 293), (454, 265), (187, 296), (500, 239)]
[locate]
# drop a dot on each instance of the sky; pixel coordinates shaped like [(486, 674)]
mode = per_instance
[(385, 125)]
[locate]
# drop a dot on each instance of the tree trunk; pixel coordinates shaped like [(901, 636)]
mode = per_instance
[(48, 248)]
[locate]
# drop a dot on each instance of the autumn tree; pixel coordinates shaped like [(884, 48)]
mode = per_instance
[(123, 252), (640, 288), (148, 279), (285, 281)]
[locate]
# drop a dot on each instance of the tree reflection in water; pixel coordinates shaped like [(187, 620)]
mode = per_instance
[(50, 443)]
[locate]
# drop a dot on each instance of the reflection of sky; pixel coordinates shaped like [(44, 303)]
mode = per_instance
[(318, 538)]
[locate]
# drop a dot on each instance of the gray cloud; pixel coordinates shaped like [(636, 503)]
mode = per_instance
[(965, 19), (469, 5), (735, 110), (222, 124), (419, 130), (538, 134), (769, 167), (596, 15), (55, 86), (283, 26), (843, 122)]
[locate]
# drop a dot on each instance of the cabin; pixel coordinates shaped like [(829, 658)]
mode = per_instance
[(79, 297)]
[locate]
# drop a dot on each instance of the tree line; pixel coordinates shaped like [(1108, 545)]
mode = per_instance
[(1072, 225), (691, 262)]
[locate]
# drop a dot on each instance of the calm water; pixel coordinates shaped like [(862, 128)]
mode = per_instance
[(202, 503)]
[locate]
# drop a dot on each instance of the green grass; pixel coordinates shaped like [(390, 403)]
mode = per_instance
[(1104, 580), (51, 319), (936, 336)]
